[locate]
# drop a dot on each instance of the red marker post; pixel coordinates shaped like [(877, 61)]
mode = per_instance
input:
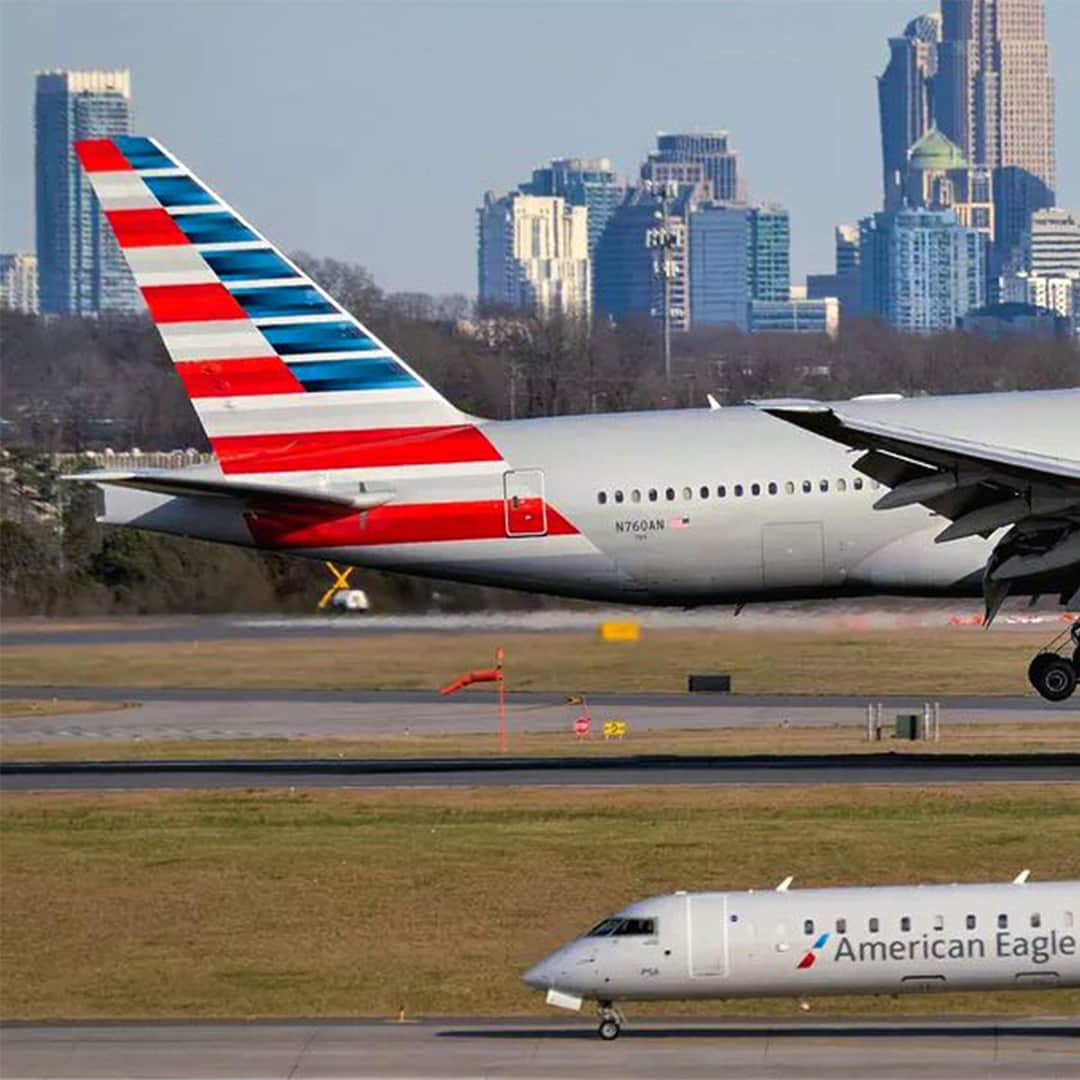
[(494, 675)]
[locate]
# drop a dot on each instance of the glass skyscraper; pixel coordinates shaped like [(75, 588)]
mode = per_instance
[(770, 253), (588, 182), (81, 269)]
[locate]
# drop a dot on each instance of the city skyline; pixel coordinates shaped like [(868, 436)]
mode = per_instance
[(826, 122)]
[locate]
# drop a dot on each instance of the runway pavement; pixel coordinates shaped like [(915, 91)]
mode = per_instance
[(624, 771), (554, 1048), (164, 713)]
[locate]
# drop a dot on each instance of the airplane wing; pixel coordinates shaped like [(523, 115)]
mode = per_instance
[(179, 482), (979, 487)]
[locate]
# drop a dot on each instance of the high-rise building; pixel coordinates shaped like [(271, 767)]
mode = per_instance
[(720, 245), (770, 252), (628, 278), (533, 253), (802, 315), (19, 283), (920, 269), (993, 97), (939, 178), (588, 182), (1050, 246), (847, 269), (1053, 293), (81, 270), (905, 100), (689, 159)]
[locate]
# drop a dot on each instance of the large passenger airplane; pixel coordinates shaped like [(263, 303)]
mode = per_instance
[(805, 942), (330, 446)]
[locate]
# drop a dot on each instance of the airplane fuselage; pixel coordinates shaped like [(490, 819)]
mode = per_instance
[(679, 507), (824, 941)]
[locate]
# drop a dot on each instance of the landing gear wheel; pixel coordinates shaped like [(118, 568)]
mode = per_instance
[(1035, 668), (1053, 676), (608, 1030)]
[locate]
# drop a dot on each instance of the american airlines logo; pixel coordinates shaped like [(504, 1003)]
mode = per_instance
[(811, 954)]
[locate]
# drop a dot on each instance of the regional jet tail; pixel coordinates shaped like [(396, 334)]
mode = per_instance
[(329, 445), (803, 942)]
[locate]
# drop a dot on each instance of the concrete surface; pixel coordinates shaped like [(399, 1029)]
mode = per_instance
[(546, 1048)]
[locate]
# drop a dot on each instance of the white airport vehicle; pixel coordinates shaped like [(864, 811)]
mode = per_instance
[(803, 942), (328, 445)]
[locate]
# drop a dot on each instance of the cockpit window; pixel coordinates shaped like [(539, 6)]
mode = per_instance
[(624, 928)]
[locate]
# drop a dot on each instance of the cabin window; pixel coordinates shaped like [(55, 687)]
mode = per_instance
[(857, 483), (1003, 922), (970, 922), (704, 492), (807, 487), (601, 498), (873, 926), (652, 494), (773, 489), (1068, 919), (905, 923), (670, 494), (721, 492), (841, 926), (688, 493), (824, 485), (618, 496), (841, 484), (755, 489), (635, 495), (808, 926), (789, 487), (939, 922), (1036, 920), (619, 927), (738, 491)]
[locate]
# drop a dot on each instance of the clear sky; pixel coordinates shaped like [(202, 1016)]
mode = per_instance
[(369, 131)]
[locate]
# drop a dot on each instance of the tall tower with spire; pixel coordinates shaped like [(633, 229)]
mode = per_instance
[(994, 98), (905, 99)]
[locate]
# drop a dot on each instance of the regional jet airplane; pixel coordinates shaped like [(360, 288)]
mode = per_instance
[(799, 943), (328, 445)]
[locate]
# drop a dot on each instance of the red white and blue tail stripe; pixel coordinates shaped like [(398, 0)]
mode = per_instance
[(283, 379)]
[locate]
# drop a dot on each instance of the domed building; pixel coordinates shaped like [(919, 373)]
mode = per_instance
[(940, 178)]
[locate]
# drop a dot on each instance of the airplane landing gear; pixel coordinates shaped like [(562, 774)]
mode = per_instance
[(1054, 674), (611, 1021)]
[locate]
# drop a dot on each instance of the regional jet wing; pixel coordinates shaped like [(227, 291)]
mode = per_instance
[(180, 482), (980, 487)]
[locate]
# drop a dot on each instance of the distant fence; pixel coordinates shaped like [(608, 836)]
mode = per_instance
[(131, 459)]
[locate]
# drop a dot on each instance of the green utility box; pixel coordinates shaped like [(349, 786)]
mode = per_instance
[(908, 726)]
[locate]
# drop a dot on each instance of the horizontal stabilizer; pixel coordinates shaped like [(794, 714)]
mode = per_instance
[(173, 482)]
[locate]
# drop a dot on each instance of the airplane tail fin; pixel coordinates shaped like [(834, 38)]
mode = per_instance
[(283, 379)]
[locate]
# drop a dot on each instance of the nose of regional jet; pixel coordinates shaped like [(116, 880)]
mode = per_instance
[(538, 976)]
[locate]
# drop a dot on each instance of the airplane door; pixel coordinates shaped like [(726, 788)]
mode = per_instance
[(708, 932), (525, 510), (793, 555)]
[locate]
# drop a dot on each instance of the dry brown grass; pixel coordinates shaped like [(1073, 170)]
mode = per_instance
[(55, 706), (973, 738), (282, 903), (952, 660)]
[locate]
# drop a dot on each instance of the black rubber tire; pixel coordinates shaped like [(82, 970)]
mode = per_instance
[(1036, 666), (1055, 678), (608, 1030)]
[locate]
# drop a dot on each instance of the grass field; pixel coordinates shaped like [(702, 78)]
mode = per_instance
[(199, 904), (952, 660), (54, 707), (972, 738)]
